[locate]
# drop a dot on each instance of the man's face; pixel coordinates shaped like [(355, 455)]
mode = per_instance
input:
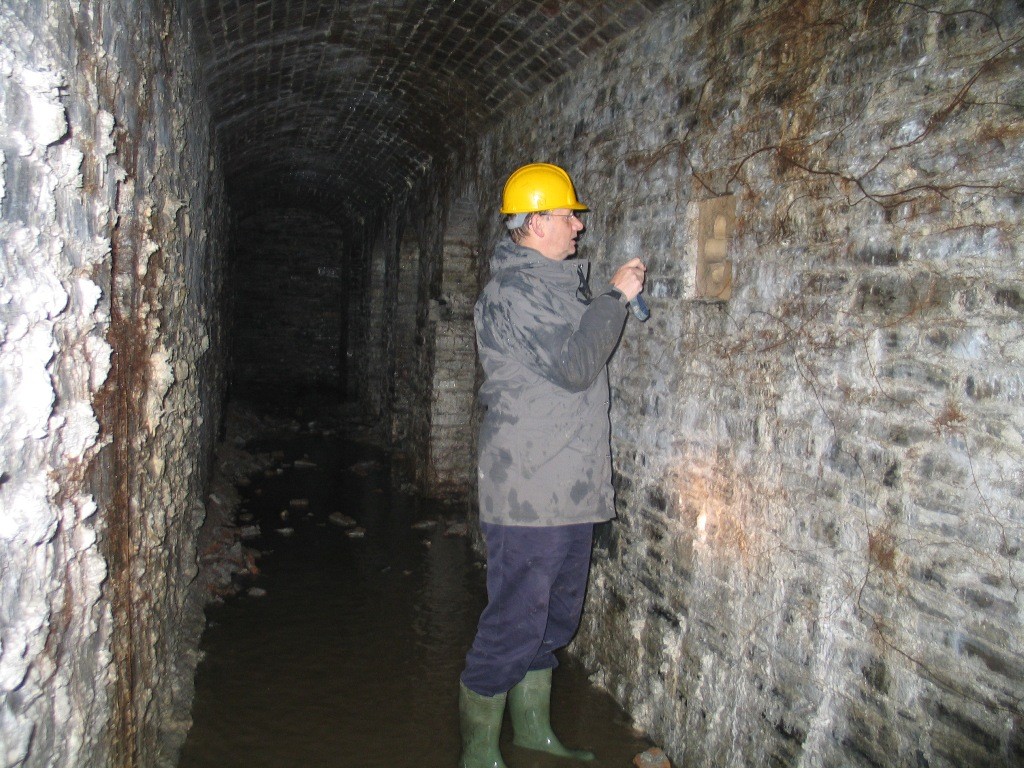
[(561, 228)]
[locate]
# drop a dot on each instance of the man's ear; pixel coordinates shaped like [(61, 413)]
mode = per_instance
[(535, 226)]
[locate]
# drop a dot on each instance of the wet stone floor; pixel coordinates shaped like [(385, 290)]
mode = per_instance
[(345, 649)]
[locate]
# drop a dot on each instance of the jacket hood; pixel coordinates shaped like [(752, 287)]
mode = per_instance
[(508, 255)]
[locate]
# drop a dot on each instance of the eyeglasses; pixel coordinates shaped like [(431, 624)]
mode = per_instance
[(569, 216)]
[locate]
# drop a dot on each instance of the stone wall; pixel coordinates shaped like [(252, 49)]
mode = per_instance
[(413, 337), (371, 325), (289, 303), (817, 557), (451, 467), (409, 371), (110, 379)]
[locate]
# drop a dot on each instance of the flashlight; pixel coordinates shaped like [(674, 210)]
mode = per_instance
[(639, 308), (637, 305)]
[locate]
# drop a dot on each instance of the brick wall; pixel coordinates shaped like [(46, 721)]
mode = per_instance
[(289, 303), (372, 330), (452, 468), (817, 555), (410, 362), (419, 344)]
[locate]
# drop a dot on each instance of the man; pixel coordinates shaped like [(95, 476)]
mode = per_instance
[(544, 457)]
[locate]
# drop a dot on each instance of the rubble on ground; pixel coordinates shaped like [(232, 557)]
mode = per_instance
[(222, 555), (652, 758), (341, 520)]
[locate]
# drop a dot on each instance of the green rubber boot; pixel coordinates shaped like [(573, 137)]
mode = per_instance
[(529, 703), (480, 723)]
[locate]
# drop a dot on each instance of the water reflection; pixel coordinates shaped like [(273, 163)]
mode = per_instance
[(351, 658)]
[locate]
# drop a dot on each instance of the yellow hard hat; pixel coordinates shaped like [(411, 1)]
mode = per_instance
[(539, 187)]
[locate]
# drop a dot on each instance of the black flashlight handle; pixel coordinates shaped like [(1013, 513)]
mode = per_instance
[(639, 308)]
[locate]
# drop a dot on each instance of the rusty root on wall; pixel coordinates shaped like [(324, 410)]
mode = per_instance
[(136, 270), (119, 410), (791, 41)]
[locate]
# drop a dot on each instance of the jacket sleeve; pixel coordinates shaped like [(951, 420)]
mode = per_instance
[(570, 357), (585, 353)]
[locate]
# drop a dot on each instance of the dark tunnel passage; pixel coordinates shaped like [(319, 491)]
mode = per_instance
[(329, 116), (289, 306), (242, 237)]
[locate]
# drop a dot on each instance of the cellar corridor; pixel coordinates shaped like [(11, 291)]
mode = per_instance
[(339, 644), (223, 217)]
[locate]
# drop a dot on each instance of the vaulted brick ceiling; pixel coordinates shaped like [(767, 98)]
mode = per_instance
[(340, 105)]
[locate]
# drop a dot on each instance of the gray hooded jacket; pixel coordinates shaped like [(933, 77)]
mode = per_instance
[(544, 451)]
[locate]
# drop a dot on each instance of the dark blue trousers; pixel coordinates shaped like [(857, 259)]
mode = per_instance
[(536, 582)]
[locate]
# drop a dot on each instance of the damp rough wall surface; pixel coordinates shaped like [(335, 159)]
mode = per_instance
[(432, 341), (817, 557), (452, 468), (109, 378)]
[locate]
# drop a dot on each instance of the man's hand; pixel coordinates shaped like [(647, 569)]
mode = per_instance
[(629, 278)]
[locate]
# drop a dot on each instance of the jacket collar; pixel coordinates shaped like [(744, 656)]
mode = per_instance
[(509, 256)]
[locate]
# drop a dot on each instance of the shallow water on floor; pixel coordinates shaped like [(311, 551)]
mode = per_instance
[(351, 657)]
